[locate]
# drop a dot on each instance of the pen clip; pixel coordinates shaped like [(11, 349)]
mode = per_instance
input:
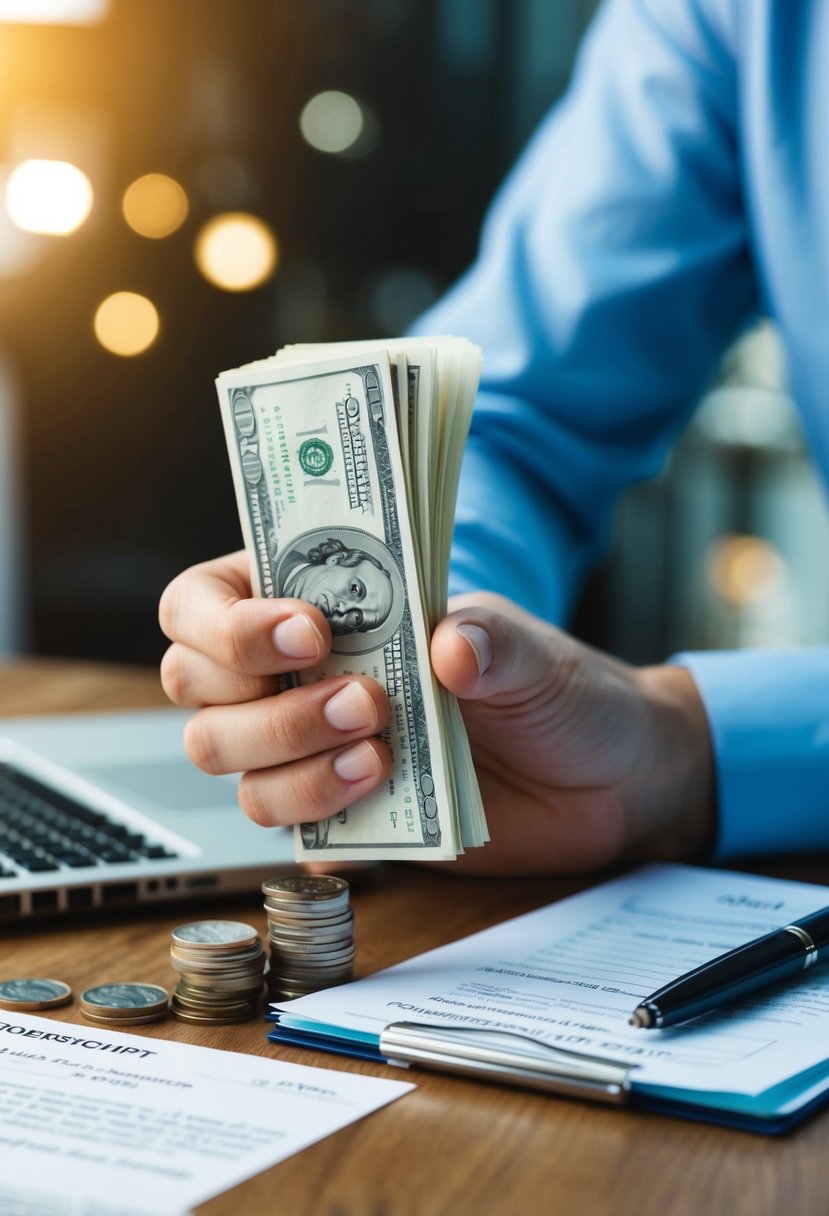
[(506, 1058)]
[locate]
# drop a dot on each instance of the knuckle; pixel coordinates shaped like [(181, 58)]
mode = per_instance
[(168, 608), (254, 802), (232, 640), (174, 677), (199, 743), (310, 794), (287, 734)]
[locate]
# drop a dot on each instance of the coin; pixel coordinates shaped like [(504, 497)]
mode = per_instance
[(304, 887), (141, 1020), (30, 993), (222, 967), (208, 1019), (124, 1001), (213, 935), (310, 933)]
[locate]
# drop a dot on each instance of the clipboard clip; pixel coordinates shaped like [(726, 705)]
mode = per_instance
[(509, 1059)]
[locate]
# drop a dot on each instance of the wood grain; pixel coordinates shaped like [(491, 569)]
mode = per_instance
[(453, 1146)]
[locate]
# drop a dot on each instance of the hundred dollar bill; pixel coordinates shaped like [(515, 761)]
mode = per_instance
[(345, 461)]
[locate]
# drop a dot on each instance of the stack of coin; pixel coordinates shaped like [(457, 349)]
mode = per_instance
[(124, 1005), (309, 932), (222, 968)]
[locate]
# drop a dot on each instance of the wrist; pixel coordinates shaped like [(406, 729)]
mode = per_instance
[(679, 788)]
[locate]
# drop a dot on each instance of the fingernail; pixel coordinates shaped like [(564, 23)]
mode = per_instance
[(296, 638), (350, 709), (357, 763), (481, 644)]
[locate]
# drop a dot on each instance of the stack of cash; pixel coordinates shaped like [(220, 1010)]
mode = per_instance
[(309, 933), (346, 459), (124, 1005), (222, 968)]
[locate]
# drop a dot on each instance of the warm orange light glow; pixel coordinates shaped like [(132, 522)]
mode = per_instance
[(744, 569), (53, 12), (126, 323), (236, 251), (155, 205), (48, 196)]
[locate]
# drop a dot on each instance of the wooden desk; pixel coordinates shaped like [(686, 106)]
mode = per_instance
[(452, 1146)]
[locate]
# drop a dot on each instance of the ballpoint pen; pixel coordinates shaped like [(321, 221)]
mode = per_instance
[(779, 955)]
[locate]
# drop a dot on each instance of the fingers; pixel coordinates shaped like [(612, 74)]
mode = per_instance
[(487, 647), (305, 754), (227, 645), (192, 680), (295, 725), (314, 788)]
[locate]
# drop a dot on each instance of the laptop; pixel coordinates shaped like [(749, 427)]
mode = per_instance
[(101, 811)]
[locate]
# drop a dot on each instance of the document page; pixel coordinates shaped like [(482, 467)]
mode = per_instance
[(571, 974), (99, 1123)]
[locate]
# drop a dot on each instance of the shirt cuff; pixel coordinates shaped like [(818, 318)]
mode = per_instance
[(768, 713)]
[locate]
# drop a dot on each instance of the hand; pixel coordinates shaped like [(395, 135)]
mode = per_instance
[(582, 760), (305, 753)]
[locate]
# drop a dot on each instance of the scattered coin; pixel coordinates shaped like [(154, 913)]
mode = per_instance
[(222, 965), (310, 933), (125, 1003), (32, 993)]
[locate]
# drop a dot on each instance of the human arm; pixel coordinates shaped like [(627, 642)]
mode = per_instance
[(614, 269)]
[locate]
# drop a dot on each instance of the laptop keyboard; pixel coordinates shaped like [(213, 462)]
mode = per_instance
[(43, 830)]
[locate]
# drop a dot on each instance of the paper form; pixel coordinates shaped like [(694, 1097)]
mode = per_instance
[(571, 975), (98, 1123)]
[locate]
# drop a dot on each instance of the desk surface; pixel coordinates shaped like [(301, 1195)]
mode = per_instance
[(451, 1146)]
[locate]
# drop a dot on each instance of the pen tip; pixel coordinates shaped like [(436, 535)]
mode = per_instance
[(640, 1018)]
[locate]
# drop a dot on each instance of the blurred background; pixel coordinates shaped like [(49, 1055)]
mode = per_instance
[(187, 184)]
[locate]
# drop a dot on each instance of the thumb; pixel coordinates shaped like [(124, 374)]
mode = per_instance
[(488, 648)]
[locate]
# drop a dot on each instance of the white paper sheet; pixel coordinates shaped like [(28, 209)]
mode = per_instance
[(572, 973), (99, 1123)]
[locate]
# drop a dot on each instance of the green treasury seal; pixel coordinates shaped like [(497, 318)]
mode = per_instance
[(316, 457)]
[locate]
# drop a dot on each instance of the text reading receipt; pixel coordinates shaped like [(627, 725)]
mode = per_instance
[(98, 1123)]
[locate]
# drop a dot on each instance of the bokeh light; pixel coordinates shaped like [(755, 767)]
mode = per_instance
[(57, 12), (155, 205), (332, 121), (126, 323), (744, 569), (236, 251), (48, 196)]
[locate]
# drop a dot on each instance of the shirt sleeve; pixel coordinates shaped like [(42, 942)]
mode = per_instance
[(613, 271), (768, 712)]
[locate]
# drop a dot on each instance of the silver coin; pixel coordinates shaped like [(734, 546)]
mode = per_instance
[(223, 962), (311, 950), (288, 933), (308, 908), (208, 933), (227, 973), (96, 1019), (326, 909), (296, 967), (191, 984), (305, 887), (115, 998), (30, 993)]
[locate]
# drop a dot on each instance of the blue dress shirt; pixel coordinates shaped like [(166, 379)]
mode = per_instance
[(679, 189)]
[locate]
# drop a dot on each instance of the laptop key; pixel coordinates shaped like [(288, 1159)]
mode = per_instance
[(76, 860)]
